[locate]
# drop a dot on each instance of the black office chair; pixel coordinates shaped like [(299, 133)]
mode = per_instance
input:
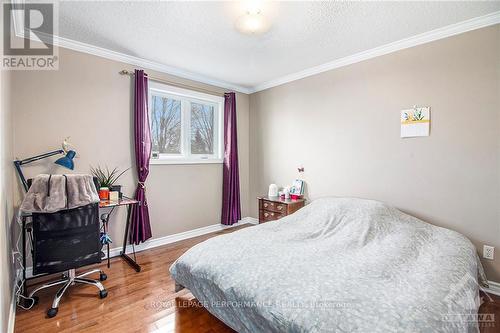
[(64, 241)]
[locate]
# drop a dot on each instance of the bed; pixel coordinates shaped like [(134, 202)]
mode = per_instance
[(337, 265)]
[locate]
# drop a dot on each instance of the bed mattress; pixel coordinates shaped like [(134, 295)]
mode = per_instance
[(337, 265)]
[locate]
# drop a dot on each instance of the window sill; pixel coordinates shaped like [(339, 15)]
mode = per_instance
[(179, 162)]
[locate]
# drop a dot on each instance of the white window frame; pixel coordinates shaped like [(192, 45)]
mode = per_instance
[(187, 96)]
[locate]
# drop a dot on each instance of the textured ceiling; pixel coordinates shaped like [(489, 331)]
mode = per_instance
[(200, 37)]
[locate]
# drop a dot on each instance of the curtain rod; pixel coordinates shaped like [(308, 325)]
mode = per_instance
[(176, 84)]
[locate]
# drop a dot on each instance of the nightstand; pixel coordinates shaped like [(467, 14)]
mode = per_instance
[(273, 208)]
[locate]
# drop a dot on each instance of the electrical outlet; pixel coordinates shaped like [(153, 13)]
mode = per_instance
[(488, 252)]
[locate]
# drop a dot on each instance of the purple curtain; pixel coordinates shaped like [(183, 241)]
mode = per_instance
[(140, 229), (231, 208)]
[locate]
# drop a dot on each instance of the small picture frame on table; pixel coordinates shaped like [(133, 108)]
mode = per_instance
[(297, 187)]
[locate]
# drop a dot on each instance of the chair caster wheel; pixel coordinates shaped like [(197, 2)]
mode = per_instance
[(103, 276), (35, 300), (52, 312), (103, 293)]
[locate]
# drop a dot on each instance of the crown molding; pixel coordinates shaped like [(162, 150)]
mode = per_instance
[(144, 63), (125, 58), (426, 37)]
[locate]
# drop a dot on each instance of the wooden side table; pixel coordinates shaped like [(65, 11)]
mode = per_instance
[(273, 208)]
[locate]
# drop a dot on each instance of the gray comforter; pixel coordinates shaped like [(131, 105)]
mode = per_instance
[(337, 265)]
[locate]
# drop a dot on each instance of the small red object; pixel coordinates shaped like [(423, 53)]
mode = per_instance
[(295, 196), (104, 193)]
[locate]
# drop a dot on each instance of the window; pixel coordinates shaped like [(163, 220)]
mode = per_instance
[(186, 126)]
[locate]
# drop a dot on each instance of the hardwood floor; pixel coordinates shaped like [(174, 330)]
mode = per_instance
[(489, 314), (136, 302), (147, 302)]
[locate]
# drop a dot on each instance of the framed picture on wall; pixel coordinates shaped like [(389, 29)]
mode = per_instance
[(415, 122)]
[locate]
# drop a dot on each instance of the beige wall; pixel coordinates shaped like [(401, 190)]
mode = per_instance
[(343, 127), (88, 100), (6, 202)]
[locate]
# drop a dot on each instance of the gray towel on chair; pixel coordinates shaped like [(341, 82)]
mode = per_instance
[(52, 193)]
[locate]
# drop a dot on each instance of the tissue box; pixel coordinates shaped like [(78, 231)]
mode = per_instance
[(114, 196)]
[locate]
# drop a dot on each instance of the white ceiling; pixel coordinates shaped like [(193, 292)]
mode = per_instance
[(200, 38)]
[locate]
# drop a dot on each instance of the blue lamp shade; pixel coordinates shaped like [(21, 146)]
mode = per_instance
[(67, 161)]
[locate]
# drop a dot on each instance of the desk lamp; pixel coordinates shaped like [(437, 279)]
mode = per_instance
[(65, 161)]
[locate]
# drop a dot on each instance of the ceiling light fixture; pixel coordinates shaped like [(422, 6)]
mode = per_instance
[(253, 22)]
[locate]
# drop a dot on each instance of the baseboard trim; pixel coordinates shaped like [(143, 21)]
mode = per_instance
[(150, 244), (181, 236), (494, 288), (12, 311)]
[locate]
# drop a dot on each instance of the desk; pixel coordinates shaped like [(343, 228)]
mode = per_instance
[(113, 204), (26, 228)]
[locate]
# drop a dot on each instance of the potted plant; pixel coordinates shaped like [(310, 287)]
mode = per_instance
[(108, 178)]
